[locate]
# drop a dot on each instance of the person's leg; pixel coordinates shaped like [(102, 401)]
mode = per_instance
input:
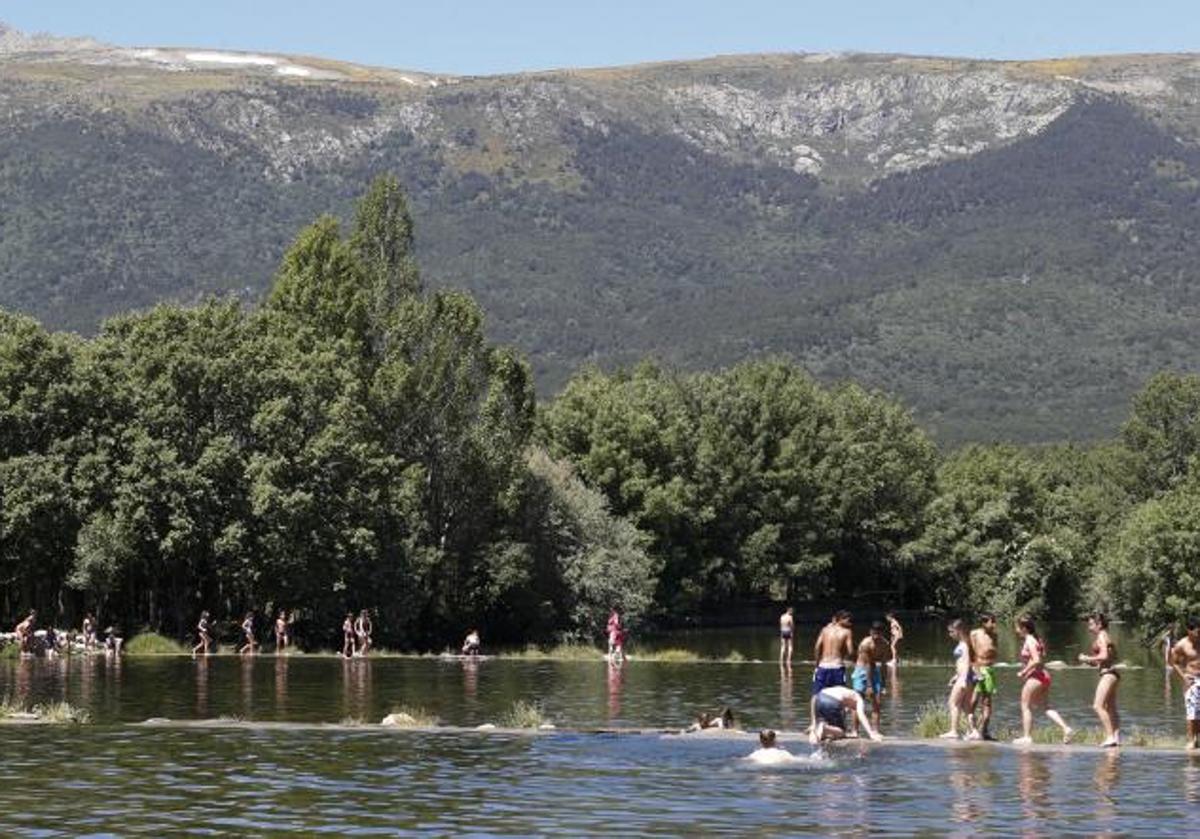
[(1057, 719), (1027, 694), (955, 704), (1101, 702)]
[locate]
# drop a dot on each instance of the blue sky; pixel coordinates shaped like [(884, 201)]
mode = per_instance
[(472, 36)]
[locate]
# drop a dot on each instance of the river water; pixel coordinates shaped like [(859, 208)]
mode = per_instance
[(117, 776)]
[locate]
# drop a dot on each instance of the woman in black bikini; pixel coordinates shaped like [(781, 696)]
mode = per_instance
[(1104, 656)]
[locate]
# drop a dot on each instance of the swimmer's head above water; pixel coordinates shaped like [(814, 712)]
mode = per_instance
[(766, 738)]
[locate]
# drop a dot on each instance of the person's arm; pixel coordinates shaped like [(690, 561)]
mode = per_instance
[(812, 719), (848, 647), (1177, 659), (861, 713)]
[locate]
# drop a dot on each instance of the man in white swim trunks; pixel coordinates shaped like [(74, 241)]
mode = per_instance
[(1185, 660), (829, 708)]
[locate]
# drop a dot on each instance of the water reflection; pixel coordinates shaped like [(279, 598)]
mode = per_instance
[(787, 713), (356, 688), (616, 677), (1105, 779), (202, 687), (281, 683), (470, 670), (1033, 787)]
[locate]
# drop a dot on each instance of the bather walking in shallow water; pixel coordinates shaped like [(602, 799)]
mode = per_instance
[(1104, 656), (1035, 688), (962, 684), (248, 632), (1185, 661), (204, 638), (897, 633), (348, 635), (362, 632)]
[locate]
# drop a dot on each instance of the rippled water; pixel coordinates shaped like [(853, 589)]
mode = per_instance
[(116, 776)]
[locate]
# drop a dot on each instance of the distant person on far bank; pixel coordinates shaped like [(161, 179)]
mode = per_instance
[(112, 642), (362, 631), (203, 635), (787, 627), (24, 633), (89, 632), (248, 633), (897, 635), (615, 632), (348, 635), (1185, 661), (283, 631), (471, 645)]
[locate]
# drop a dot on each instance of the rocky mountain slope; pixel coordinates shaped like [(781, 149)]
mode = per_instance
[(1011, 247)]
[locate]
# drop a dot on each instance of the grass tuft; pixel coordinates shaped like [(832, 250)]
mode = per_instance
[(151, 643), (734, 657), (933, 720), (560, 652), (410, 716), (670, 656), (10, 652), (62, 713), (524, 715)]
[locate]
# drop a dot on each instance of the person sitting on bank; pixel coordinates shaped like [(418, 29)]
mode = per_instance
[(829, 707), (471, 643)]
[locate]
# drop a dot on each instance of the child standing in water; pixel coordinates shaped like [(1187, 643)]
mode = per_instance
[(1035, 690), (1104, 656)]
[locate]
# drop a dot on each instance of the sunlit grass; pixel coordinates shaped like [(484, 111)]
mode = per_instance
[(10, 708), (10, 652), (62, 713), (151, 643), (524, 715), (671, 655), (560, 652), (410, 716), (933, 720)]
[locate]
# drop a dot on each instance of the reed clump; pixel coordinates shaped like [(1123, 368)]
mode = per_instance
[(410, 716), (671, 655), (559, 652), (62, 713), (524, 715)]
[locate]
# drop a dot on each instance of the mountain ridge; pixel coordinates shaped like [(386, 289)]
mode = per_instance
[(1007, 246)]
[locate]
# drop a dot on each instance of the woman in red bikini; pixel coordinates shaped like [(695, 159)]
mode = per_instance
[(1035, 690)]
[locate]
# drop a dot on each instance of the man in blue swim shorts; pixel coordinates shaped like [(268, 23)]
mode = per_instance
[(834, 646), (867, 679)]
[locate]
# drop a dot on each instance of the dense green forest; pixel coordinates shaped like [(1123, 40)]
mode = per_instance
[(358, 442)]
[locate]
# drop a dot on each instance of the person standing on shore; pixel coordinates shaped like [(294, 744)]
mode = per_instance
[(961, 684), (1035, 688), (983, 651), (1185, 661), (1104, 656), (787, 627), (203, 638), (89, 632), (897, 633)]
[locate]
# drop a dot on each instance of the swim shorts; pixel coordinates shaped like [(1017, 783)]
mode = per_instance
[(1191, 700), (830, 711), (861, 681), (985, 681), (785, 634), (828, 677)]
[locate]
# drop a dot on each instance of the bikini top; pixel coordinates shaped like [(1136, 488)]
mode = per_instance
[(1026, 654), (961, 649)]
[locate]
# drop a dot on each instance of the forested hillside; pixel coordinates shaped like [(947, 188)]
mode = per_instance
[(1009, 248)]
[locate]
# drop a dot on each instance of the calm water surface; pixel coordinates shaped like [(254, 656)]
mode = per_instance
[(117, 777)]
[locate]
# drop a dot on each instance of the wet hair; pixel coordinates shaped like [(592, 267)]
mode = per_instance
[(890, 615), (727, 717), (956, 626), (1026, 623), (987, 616), (1100, 618), (1193, 623), (841, 615), (878, 626), (704, 718), (766, 738)]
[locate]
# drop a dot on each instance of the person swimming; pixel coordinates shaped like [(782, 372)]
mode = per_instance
[(769, 753), (719, 722)]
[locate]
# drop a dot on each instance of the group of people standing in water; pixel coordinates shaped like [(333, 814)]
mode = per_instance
[(973, 687)]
